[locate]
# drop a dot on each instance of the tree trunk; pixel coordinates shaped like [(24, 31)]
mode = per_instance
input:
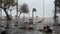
[(19, 14), (55, 15), (8, 19), (32, 16), (19, 21), (10, 12), (24, 17)]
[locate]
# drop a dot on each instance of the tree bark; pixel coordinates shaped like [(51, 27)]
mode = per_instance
[(8, 18)]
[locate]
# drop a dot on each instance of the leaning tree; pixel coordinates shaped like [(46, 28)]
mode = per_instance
[(5, 4)]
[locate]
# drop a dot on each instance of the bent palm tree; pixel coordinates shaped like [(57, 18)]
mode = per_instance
[(33, 10)]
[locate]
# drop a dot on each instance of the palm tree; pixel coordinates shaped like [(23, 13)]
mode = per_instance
[(24, 9), (6, 5), (33, 10)]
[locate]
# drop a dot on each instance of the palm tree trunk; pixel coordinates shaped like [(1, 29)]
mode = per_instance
[(19, 20), (32, 16), (23, 17), (19, 14), (8, 18), (55, 15), (17, 8)]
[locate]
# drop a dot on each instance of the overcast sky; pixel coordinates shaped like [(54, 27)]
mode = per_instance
[(38, 4)]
